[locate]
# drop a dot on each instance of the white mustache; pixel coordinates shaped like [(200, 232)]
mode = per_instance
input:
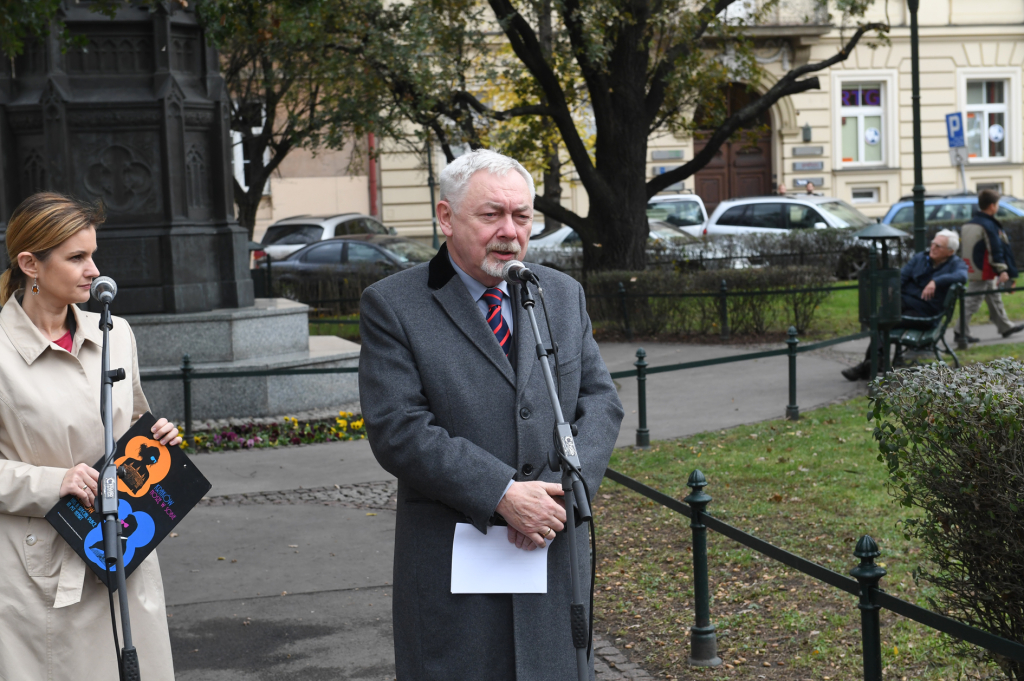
[(512, 247)]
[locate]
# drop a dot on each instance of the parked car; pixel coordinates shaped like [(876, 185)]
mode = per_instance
[(774, 213), (287, 236), (951, 207), (373, 253), (681, 210), (563, 249)]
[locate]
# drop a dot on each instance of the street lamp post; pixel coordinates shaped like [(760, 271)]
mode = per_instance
[(430, 183), (915, 98)]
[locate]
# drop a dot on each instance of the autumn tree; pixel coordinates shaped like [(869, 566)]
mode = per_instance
[(636, 67), (290, 85)]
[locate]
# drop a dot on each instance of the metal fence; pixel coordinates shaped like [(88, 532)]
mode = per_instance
[(186, 374), (703, 641), (792, 349)]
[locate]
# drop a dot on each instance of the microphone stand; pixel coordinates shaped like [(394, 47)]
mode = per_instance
[(565, 458), (128, 660)]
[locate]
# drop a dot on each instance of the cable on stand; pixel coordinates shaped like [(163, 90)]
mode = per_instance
[(103, 290), (565, 459)]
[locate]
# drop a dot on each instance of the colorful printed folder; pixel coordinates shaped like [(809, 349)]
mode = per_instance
[(157, 485)]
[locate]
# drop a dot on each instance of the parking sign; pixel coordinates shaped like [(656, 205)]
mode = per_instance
[(955, 129)]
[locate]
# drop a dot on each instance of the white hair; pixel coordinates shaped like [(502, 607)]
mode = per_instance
[(952, 239), (456, 175)]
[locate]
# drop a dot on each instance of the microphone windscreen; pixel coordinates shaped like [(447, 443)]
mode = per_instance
[(103, 289)]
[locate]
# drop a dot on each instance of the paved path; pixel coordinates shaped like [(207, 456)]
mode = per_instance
[(305, 533)]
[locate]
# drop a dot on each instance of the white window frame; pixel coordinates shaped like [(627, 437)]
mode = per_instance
[(873, 198), (1012, 97), (887, 80)]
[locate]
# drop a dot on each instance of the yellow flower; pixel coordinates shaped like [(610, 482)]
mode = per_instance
[(356, 425), (342, 423)]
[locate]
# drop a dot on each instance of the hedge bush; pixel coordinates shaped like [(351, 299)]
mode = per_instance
[(954, 444), (655, 307)]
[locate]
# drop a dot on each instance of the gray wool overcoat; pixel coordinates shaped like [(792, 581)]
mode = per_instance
[(448, 415)]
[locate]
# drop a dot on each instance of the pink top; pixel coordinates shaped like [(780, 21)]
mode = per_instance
[(66, 341)]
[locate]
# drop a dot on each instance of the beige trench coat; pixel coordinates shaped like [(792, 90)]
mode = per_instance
[(54, 614)]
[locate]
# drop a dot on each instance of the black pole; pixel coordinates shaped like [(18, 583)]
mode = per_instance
[(723, 311), (627, 327), (643, 435), (873, 310), (962, 343), (564, 457), (430, 183), (703, 641), (792, 410), (186, 393), (109, 503), (868, 574), (915, 99)]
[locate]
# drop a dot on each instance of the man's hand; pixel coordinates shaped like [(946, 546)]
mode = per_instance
[(1004, 277), (532, 513), (929, 291)]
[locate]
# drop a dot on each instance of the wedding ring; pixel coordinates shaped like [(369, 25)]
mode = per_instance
[(85, 488), (550, 531)]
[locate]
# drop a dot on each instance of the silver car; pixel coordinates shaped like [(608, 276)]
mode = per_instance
[(777, 213), (284, 237)]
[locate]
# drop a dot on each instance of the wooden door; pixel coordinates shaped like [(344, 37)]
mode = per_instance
[(740, 168)]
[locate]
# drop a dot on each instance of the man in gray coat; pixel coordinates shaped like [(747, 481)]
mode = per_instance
[(456, 408)]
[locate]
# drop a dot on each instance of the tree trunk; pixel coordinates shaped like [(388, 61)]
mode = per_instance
[(248, 206), (553, 188)]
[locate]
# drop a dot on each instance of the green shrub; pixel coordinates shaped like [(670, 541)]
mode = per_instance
[(654, 304), (954, 444)]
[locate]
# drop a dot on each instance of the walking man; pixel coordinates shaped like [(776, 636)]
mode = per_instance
[(990, 262)]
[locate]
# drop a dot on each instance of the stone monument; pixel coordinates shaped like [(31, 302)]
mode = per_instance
[(138, 118)]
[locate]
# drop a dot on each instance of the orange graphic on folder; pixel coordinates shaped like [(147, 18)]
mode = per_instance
[(145, 463)]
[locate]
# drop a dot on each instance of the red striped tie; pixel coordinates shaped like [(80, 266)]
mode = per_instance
[(497, 322)]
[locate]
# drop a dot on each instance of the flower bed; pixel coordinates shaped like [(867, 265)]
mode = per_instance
[(291, 431)]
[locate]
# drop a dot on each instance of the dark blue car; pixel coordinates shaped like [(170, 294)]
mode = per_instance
[(956, 207)]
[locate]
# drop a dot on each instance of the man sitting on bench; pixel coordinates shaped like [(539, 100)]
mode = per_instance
[(924, 281)]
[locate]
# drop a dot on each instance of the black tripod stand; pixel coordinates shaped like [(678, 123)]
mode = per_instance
[(564, 458), (104, 289)]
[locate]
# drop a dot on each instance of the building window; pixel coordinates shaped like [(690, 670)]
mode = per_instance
[(864, 195), (861, 127), (997, 187), (986, 118)]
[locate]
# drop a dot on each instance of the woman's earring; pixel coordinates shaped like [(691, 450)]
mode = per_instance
[(35, 287)]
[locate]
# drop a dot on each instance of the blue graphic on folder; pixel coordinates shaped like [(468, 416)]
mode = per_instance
[(137, 530)]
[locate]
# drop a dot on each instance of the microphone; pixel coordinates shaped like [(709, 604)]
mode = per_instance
[(515, 272), (104, 289)]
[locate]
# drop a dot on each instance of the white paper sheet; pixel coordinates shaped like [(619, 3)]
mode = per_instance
[(490, 564)]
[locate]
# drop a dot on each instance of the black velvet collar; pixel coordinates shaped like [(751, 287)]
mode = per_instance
[(441, 270)]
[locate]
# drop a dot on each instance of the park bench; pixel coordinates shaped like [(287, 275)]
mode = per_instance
[(925, 333)]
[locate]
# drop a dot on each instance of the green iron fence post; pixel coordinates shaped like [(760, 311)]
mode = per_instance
[(270, 277), (625, 312), (792, 410), (643, 436), (703, 642), (873, 298), (186, 388), (868, 574), (723, 310), (961, 343)]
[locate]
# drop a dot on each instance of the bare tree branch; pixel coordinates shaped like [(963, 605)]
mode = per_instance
[(787, 85), (527, 47), (560, 213)]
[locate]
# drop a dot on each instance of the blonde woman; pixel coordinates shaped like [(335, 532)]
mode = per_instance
[(54, 614)]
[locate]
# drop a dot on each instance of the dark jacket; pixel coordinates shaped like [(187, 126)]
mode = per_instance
[(448, 416), (918, 272), (996, 243)]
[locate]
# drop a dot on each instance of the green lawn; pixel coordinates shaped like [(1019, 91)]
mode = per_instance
[(812, 487), (346, 331)]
